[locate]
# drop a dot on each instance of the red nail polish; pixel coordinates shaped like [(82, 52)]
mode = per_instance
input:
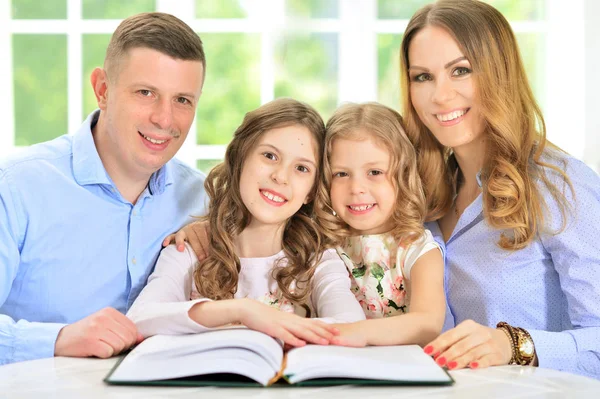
[(452, 365), (441, 361), (474, 365), (428, 349)]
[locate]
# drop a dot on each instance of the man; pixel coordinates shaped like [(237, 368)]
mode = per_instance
[(82, 217)]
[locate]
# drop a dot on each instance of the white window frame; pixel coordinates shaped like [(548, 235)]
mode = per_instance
[(357, 28)]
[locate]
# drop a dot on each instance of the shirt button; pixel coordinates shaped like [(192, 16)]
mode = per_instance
[(133, 260), (134, 212)]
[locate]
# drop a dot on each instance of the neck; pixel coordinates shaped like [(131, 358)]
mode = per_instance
[(470, 158), (130, 185), (259, 240)]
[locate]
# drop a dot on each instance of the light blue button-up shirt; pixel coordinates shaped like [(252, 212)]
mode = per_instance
[(71, 245), (551, 288)]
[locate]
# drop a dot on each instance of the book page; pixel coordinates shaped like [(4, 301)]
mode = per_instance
[(394, 363), (238, 351)]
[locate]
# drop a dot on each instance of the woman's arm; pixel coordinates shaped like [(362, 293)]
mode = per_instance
[(576, 258), (424, 320)]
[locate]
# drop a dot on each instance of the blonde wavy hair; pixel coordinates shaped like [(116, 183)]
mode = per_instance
[(372, 120), (216, 277), (515, 130)]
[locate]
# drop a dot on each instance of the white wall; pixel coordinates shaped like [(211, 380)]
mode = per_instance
[(590, 79)]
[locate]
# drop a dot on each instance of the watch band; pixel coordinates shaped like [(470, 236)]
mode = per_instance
[(521, 343)]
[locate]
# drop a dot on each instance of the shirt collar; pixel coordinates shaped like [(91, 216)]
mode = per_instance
[(88, 167)]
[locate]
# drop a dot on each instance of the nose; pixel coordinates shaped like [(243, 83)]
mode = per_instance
[(444, 91), (357, 186), (279, 175), (162, 115)]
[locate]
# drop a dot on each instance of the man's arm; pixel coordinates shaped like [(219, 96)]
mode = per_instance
[(102, 334)]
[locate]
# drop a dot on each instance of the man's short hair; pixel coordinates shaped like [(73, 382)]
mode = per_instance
[(157, 31)]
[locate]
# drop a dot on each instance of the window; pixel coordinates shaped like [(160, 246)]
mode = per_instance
[(323, 52)]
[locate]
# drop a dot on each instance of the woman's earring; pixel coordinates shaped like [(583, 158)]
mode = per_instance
[(334, 213)]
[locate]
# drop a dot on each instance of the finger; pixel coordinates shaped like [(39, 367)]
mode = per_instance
[(167, 241), (461, 348), (180, 239), (309, 334), (472, 355), (199, 241), (450, 337), (488, 360), (288, 338), (113, 340), (121, 326), (101, 349)]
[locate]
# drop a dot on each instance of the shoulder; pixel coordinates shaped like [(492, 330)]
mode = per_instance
[(37, 158), (183, 172), (171, 260), (330, 261)]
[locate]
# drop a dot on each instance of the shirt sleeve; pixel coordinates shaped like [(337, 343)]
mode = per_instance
[(331, 295), (417, 249), (162, 306), (21, 340), (576, 257)]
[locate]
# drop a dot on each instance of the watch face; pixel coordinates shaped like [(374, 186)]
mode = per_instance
[(526, 347)]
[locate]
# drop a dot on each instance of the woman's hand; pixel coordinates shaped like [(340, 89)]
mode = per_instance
[(470, 344), (351, 334), (290, 328), (196, 234)]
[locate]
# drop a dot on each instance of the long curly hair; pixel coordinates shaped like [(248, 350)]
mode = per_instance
[(384, 125), (216, 277), (515, 130)]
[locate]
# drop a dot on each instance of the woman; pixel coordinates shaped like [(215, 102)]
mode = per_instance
[(519, 217)]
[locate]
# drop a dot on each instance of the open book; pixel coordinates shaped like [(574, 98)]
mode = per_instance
[(243, 357)]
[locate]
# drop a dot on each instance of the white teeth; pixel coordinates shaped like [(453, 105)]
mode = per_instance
[(450, 116), (274, 198), (152, 140), (361, 208)]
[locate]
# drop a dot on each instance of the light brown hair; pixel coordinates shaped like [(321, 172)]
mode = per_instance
[(158, 31), (515, 130), (216, 277), (372, 120)]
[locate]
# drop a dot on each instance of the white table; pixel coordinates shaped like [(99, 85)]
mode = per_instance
[(82, 378)]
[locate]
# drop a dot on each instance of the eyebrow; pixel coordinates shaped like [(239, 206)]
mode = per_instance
[(448, 65), (367, 165), (278, 150), (154, 88)]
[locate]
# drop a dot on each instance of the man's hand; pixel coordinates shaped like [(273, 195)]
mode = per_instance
[(196, 234), (102, 334)]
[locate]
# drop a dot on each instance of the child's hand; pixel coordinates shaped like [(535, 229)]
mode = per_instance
[(292, 329), (351, 334), (195, 234)]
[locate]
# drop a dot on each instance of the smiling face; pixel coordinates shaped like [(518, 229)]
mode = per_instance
[(278, 175), (442, 88), (147, 110), (361, 191)]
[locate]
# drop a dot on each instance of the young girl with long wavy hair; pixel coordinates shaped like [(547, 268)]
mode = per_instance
[(520, 219), (372, 206), (267, 267)]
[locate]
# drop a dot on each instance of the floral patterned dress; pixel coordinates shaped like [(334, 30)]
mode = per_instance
[(379, 268)]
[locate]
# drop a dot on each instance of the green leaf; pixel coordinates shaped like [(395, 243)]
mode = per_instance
[(377, 271), (358, 272)]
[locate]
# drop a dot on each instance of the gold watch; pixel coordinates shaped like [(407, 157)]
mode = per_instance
[(523, 349)]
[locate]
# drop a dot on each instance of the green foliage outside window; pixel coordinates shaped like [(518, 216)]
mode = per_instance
[(40, 87), (114, 9), (36, 9)]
